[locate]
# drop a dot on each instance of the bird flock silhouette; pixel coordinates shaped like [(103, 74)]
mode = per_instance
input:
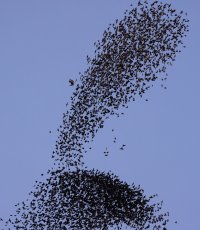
[(133, 53)]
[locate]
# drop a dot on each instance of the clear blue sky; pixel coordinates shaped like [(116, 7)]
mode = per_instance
[(42, 45)]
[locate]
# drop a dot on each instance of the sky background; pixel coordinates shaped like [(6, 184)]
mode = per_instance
[(42, 45)]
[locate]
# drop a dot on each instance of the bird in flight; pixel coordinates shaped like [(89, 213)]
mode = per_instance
[(71, 82)]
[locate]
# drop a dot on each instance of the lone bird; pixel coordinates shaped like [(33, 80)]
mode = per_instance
[(71, 82)]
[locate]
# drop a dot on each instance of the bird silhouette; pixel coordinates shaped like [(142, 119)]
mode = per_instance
[(71, 82)]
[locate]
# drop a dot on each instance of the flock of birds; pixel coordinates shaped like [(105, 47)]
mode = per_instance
[(133, 53)]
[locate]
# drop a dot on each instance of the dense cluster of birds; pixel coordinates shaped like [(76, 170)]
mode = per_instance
[(133, 53), (88, 200)]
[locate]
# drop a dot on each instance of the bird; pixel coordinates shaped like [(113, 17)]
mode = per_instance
[(122, 147), (71, 82)]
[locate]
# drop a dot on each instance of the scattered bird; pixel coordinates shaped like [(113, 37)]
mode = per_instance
[(106, 152), (122, 147)]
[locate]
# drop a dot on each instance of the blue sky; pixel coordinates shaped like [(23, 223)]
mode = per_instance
[(43, 44)]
